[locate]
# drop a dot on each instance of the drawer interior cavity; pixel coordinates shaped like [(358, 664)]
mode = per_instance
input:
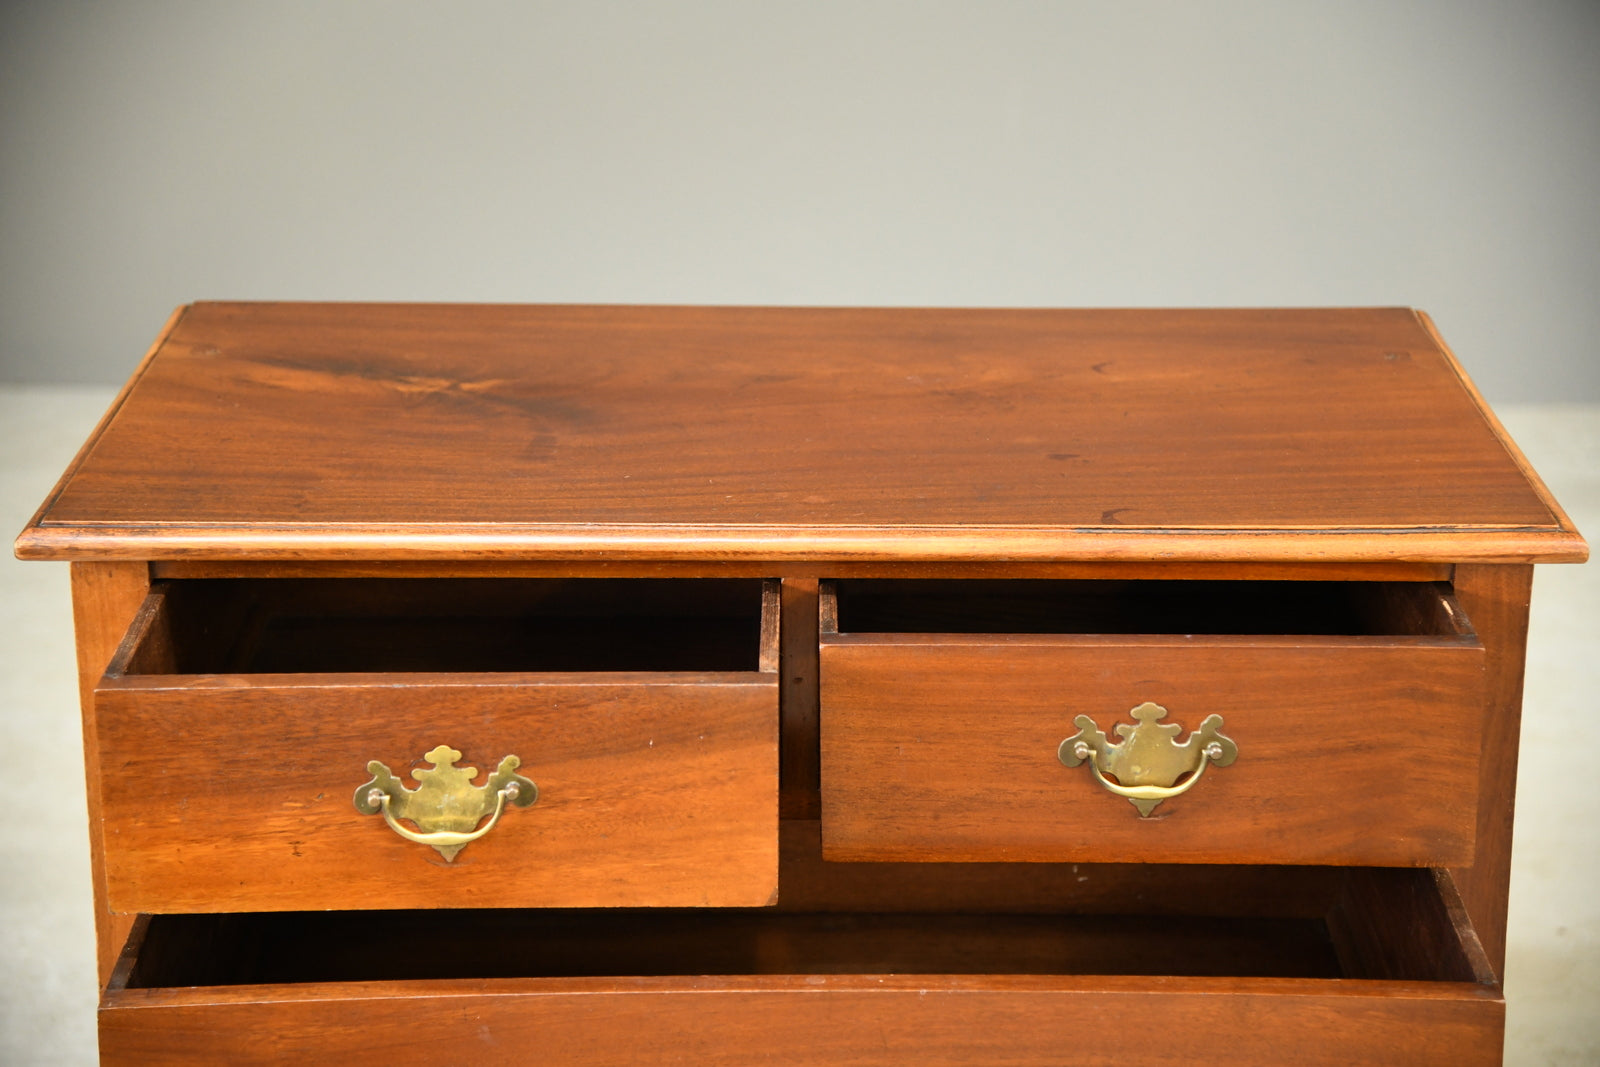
[(1142, 606), (1375, 924), (343, 625)]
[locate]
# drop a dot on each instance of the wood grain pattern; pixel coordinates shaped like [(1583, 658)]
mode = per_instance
[(233, 792), (358, 431), (1392, 923), (227, 795), (822, 1020), (944, 747), (105, 598), (1497, 599), (105, 420), (1494, 424)]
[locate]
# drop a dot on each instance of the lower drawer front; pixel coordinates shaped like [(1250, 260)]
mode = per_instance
[(822, 1021), (1388, 976)]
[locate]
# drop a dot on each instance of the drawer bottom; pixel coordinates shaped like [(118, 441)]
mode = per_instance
[(1389, 974)]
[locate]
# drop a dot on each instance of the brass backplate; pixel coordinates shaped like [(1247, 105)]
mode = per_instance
[(1149, 760), (446, 807)]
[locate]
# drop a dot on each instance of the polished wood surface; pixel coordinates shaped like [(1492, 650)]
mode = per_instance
[(233, 791), (1094, 1022), (942, 746), (297, 431), (653, 790), (1497, 598), (1495, 425), (100, 427), (105, 599), (1390, 923), (824, 1021)]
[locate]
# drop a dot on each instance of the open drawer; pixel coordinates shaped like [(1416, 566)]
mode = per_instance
[(1345, 719), (243, 723), (1360, 966)]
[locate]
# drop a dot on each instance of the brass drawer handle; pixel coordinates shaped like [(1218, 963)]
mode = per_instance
[(445, 804), (1148, 759)]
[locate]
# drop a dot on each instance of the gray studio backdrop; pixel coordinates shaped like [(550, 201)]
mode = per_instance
[(1444, 155)]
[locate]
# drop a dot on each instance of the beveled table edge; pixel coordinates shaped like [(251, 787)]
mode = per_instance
[(711, 542)]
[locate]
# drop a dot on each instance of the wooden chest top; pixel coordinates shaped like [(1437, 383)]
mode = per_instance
[(307, 431)]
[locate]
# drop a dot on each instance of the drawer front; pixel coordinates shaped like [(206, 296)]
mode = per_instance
[(820, 1020), (1350, 750), (238, 794)]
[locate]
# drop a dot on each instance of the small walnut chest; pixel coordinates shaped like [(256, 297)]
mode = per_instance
[(605, 685)]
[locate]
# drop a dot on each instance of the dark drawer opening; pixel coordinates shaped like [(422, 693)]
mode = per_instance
[(341, 625), (1148, 606), (387, 946), (1412, 940)]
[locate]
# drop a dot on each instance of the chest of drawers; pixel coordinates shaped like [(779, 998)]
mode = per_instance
[(832, 686)]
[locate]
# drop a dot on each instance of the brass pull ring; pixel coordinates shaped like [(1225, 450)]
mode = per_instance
[(446, 806), (1153, 793), (443, 839), (1148, 761)]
